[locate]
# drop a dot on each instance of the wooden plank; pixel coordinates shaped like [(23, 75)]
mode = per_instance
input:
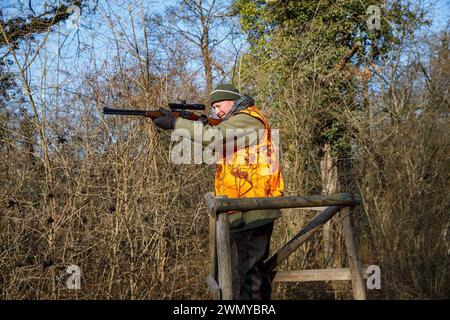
[(313, 275), (224, 257), (312, 226), (340, 274), (244, 204), (314, 208), (359, 291), (213, 287)]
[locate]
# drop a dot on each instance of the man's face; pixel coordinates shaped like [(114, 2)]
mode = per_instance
[(222, 108)]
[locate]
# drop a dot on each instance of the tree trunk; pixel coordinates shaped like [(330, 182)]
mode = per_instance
[(206, 55), (330, 185)]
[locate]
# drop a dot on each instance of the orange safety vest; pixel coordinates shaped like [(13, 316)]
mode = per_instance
[(250, 171)]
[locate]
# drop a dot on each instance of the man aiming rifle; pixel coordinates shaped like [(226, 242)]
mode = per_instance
[(242, 173)]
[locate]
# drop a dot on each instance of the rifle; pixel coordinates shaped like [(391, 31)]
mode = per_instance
[(177, 109)]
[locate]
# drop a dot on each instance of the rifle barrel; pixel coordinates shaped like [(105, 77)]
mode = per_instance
[(122, 112)]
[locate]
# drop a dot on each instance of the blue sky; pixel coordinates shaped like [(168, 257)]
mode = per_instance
[(440, 14), (87, 50)]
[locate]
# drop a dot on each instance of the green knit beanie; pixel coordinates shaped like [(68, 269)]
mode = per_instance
[(224, 92)]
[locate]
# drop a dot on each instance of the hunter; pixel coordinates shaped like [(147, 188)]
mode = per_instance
[(241, 174)]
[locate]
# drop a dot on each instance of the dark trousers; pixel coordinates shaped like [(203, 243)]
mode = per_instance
[(249, 249)]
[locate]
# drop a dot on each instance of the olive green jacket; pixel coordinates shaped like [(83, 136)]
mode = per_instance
[(242, 220)]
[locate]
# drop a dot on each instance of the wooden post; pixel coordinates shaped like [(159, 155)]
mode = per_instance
[(224, 256), (213, 246), (213, 287), (212, 277), (359, 292)]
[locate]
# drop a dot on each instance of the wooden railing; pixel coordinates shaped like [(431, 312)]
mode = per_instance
[(219, 280)]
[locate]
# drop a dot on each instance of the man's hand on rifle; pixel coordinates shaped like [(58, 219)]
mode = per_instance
[(166, 121)]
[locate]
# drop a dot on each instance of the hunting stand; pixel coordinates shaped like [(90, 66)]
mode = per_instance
[(219, 280)]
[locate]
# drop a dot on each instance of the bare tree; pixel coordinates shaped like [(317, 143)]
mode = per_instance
[(205, 24)]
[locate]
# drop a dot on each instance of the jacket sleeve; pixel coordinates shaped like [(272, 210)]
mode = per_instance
[(239, 130)]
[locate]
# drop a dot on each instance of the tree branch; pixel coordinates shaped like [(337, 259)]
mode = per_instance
[(18, 28)]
